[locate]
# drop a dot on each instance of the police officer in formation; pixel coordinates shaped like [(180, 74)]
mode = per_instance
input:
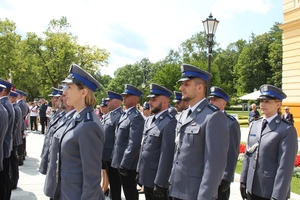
[(52, 126), (202, 141), (220, 98), (110, 123), (156, 155), (55, 135), (180, 104), (6, 184), (271, 150), (17, 139), (81, 143), (128, 142)]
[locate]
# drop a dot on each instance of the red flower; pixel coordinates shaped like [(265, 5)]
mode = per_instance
[(297, 161), (242, 148)]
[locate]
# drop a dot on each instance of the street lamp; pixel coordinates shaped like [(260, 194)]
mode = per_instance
[(210, 27), (143, 86)]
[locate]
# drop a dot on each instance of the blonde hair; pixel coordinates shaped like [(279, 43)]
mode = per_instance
[(90, 99)]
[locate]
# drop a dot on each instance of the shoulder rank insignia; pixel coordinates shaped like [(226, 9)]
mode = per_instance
[(231, 117), (88, 117), (212, 107)]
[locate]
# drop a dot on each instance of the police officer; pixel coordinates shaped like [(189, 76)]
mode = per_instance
[(55, 135), (3, 129), (220, 98), (110, 123), (81, 144), (271, 150), (21, 149), (202, 141), (180, 104), (50, 131), (17, 139), (104, 109), (8, 139), (146, 110), (157, 152), (128, 142)]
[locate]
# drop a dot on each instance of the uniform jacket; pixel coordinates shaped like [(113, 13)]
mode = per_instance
[(128, 140), (3, 128), (201, 153), (110, 122), (17, 132), (50, 180), (157, 152), (80, 159), (45, 151), (270, 175), (25, 110), (234, 147), (8, 139)]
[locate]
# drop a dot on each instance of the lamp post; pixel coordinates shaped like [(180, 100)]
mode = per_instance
[(143, 86), (210, 27)]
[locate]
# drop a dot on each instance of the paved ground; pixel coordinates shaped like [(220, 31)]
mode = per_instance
[(31, 182)]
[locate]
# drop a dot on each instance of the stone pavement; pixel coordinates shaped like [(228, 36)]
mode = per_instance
[(31, 182)]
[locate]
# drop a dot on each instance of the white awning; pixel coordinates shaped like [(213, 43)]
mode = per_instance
[(251, 96)]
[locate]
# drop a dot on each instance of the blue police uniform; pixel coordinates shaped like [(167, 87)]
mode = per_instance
[(8, 138), (201, 147), (3, 129), (157, 151), (81, 145), (234, 146), (51, 173), (125, 154), (269, 160)]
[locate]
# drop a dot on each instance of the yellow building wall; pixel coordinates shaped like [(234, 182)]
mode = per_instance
[(291, 58)]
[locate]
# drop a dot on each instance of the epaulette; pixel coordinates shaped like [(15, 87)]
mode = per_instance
[(231, 117), (213, 107), (88, 117), (170, 116)]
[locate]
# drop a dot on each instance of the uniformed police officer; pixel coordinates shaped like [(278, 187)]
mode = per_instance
[(104, 109), (3, 129), (21, 101), (146, 110), (271, 150), (128, 142), (8, 140), (180, 104), (202, 141), (157, 152), (220, 98), (110, 123), (81, 144), (17, 139), (55, 135)]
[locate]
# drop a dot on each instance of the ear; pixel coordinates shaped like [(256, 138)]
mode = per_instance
[(84, 92)]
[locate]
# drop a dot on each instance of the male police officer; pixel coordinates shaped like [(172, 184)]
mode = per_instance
[(128, 142), (180, 104), (8, 140), (202, 141), (220, 98), (110, 123), (158, 145)]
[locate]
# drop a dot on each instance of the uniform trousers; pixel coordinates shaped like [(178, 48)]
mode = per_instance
[(129, 184), (114, 181), (14, 164), (223, 195), (149, 194), (254, 197), (5, 191)]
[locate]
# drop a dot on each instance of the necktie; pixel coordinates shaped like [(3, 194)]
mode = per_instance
[(153, 120), (264, 124), (190, 111)]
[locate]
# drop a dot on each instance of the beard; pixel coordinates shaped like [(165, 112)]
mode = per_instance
[(156, 109)]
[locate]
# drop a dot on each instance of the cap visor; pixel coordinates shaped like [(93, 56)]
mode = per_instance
[(151, 95), (184, 79)]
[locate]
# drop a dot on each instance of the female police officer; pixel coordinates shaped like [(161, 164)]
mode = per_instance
[(81, 144), (271, 150)]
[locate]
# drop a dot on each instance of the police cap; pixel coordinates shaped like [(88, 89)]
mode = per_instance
[(218, 93), (157, 90), (271, 92), (189, 72)]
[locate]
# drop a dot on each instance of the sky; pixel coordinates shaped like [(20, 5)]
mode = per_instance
[(135, 29)]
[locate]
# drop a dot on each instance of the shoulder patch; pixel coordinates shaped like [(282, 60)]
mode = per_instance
[(88, 117), (231, 117), (213, 107)]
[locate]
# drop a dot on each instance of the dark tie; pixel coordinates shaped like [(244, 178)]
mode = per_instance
[(264, 124), (153, 120), (190, 111)]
